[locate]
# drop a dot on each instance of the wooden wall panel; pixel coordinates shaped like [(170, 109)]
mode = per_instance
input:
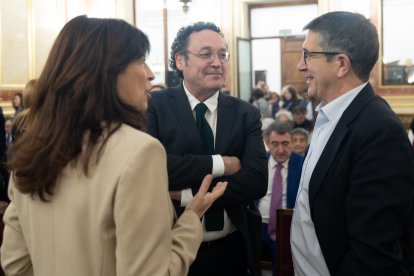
[(291, 53)]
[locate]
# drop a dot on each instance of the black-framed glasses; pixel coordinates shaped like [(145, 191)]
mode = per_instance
[(307, 54), (208, 55)]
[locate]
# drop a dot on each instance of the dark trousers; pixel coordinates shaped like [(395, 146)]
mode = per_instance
[(268, 246), (223, 257)]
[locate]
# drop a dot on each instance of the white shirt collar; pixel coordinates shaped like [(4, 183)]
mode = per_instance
[(333, 110), (211, 102), (273, 162)]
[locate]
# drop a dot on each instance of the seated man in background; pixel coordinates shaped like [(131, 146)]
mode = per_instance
[(284, 115), (299, 118), (300, 140), (266, 122), (284, 167)]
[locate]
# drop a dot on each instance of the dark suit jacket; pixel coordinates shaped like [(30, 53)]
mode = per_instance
[(4, 175), (238, 133), (361, 192), (293, 177)]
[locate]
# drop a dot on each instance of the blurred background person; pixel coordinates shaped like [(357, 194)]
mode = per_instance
[(20, 121), (266, 122), (17, 102), (8, 131), (289, 97), (299, 118), (284, 116), (284, 167), (274, 103), (300, 139), (260, 102), (4, 198), (262, 85), (87, 180)]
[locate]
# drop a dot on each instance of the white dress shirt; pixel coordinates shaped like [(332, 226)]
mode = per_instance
[(264, 204), (218, 164), (306, 252)]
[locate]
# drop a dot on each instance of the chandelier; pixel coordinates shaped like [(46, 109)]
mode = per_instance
[(185, 5)]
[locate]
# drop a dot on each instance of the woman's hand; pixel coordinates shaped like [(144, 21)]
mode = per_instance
[(204, 199)]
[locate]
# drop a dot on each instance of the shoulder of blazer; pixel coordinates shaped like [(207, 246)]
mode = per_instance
[(295, 159), (167, 92), (230, 100), (132, 135), (357, 105), (295, 167), (355, 111)]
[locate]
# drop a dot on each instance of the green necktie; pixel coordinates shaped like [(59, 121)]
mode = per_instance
[(214, 221), (204, 129)]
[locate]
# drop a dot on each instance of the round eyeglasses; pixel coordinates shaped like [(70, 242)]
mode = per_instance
[(208, 55)]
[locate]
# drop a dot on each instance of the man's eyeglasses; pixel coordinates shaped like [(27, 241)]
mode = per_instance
[(208, 55), (307, 54)]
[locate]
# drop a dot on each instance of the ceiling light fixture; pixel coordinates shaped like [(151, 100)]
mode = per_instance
[(185, 5)]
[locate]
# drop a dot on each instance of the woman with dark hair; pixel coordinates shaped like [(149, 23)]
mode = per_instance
[(289, 98), (261, 103), (20, 121), (17, 103), (89, 189)]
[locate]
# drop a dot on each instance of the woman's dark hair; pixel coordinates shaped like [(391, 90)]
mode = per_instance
[(292, 92), (20, 95), (180, 43), (76, 100), (257, 94), (28, 93), (21, 120)]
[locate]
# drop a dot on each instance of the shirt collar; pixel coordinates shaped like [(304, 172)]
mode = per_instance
[(333, 110), (273, 163), (211, 102)]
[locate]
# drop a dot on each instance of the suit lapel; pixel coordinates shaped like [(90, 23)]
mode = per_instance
[(334, 142), (225, 119), (182, 109)]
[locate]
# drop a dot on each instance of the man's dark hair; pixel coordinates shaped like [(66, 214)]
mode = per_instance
[(180, 43), (301, 131), (257, 93), (279, 127), (349, 33), (299, 110)]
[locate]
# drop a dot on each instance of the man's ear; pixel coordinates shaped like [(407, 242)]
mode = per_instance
[(344, 65), (179, 61)]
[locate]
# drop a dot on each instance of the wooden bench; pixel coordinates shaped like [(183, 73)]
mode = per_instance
[(284, 264)]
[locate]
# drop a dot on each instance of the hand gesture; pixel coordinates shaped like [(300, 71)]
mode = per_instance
[(204, 199)]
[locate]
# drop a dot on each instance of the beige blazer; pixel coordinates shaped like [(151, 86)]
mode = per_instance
[(118, 220)]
